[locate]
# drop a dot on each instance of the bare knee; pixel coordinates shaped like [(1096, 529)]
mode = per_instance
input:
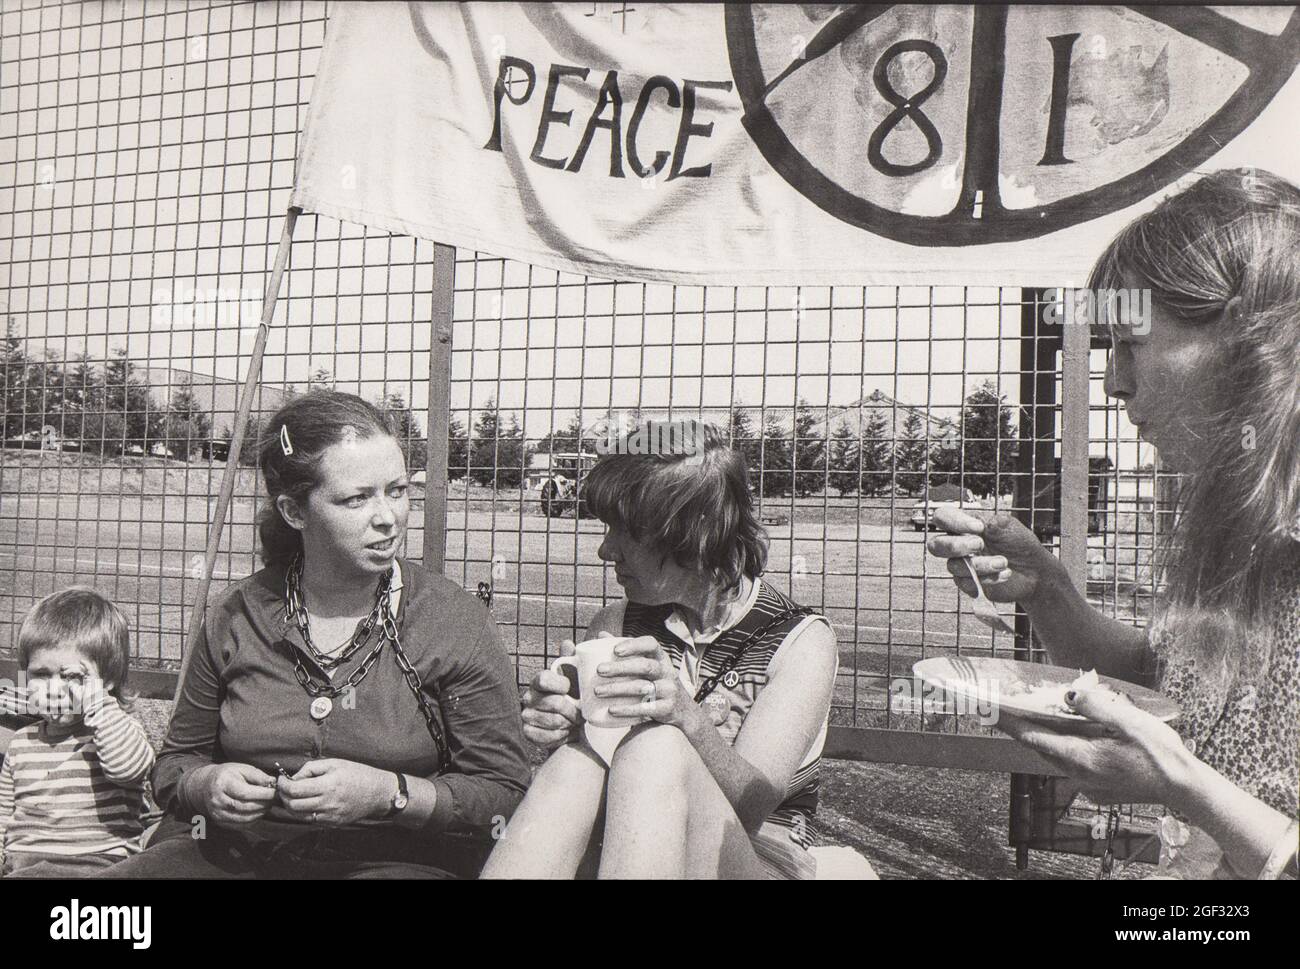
[(570, 763), (654, 757), (548, 834), (654, 748)]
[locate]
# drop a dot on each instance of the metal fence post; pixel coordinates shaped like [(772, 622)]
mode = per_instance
[(435, 483), (1035, 469), (1076, 340)]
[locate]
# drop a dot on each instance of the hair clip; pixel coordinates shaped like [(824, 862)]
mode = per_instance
[(285, 444)]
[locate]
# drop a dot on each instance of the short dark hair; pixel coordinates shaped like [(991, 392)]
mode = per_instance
[(310, 424), (82, 618), (693, 505)]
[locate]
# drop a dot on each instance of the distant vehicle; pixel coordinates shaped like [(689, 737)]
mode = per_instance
[(942, 496), (157, 450), (46, 439), (557, 479)]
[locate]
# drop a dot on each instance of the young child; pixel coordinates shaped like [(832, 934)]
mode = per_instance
[(71, 788)]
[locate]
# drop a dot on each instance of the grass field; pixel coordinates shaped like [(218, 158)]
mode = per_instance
[(547, 580), (137, 530)]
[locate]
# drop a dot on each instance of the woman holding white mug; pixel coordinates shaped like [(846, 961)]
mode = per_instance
[(725, 683), (1212, 379)]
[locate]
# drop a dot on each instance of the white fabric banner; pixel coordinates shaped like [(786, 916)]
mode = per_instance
[(791, 144)]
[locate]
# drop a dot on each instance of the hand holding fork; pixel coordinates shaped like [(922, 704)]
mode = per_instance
[(998, 560)]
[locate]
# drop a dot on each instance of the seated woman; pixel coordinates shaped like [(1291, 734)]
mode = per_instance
[(1210, 380), (344, 713), (732, 680)]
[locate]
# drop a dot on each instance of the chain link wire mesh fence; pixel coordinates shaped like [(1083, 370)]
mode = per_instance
[(146, 163)]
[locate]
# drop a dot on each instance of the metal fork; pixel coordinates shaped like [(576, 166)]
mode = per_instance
[(965, 680), (984, 609), (964, 671)]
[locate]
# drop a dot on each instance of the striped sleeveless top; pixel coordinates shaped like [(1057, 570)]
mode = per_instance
[(751, 676)]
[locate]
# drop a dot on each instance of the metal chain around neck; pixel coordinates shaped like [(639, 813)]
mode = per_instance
[(413, 682), (381, 616), (295, 611)]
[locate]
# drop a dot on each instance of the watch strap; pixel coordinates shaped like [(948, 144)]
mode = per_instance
[(403, 795)]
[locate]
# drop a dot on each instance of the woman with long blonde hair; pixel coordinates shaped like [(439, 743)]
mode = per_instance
[(1213, 381)]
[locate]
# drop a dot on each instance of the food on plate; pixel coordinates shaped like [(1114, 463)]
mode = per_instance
[(1049, 697)]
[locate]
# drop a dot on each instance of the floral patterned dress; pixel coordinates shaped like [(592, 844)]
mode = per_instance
[(1246, 725)]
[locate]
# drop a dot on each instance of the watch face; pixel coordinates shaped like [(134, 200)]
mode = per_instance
[(399, 802)]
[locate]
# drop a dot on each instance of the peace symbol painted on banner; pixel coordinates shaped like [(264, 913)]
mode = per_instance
[(956, 125)]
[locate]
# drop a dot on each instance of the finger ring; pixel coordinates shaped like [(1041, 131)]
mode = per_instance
[(314, 816), (651, 695)]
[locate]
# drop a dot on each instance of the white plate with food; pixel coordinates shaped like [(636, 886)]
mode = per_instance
[(1032, 691)]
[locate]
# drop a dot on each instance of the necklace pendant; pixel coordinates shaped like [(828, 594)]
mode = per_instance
[(321, 707)]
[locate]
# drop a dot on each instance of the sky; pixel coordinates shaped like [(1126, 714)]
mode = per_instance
[(146, 160)]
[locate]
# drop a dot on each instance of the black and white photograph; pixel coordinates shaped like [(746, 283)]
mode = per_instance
[(649, 442)]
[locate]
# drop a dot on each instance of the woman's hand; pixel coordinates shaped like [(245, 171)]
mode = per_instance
[(233, 793), (335, 792), (642, 670), (551, 717), (1009, 559), (1141, 760), (1014, 567)]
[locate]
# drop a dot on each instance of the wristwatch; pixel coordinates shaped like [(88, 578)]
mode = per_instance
[(400, 799)]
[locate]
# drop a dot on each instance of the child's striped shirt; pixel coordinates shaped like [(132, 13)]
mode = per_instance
[(78, 791)]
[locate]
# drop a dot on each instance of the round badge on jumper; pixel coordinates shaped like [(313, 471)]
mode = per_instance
[(718, 706), (731, 679), (321, 707)]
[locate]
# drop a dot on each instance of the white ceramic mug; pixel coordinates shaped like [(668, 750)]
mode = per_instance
[(587, 657)]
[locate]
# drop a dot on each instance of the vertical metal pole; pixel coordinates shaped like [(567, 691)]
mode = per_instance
[(231, 473), (1037, 803), (1036, 392), (1074, 454), (435, 484)]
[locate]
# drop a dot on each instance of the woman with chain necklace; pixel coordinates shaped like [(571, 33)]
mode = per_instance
[(345, 713)]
